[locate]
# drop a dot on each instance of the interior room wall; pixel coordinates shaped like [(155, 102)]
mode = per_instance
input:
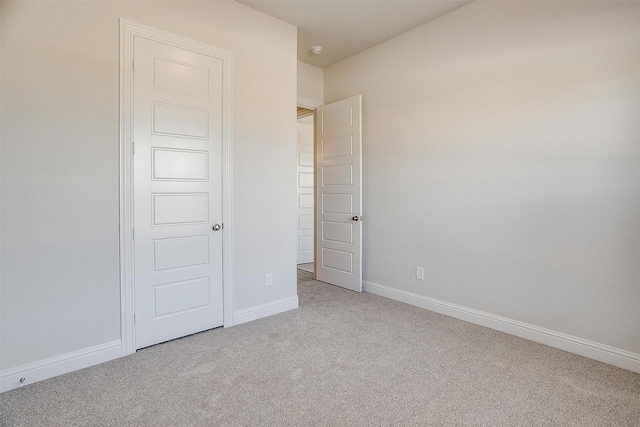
[(310, 82), (501, 153), (1, 44), (60, 160)]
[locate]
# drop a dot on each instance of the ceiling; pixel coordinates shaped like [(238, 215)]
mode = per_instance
[(346, 27)]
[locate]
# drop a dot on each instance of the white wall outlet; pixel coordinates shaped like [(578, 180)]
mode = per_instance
[(268, 279), (420, 273)]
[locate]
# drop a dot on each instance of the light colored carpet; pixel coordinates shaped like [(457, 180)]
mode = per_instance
[(308, 267), (341, 359)]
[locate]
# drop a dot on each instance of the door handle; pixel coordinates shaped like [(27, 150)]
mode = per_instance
[(356, 218), (216, 227)]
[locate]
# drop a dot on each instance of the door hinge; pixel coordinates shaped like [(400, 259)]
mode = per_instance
[(134, 319), (133, 233), (133, 148), (133, 63)]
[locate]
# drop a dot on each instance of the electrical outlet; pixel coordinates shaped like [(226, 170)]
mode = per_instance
[(420, 273), (268, 279)]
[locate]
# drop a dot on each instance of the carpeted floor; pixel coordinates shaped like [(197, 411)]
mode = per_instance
[(341, 359)]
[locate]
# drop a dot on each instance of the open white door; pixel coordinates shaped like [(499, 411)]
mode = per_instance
[(338, 193)]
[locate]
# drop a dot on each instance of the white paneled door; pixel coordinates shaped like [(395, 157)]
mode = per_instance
[(338, 193), (177, 133), (305, 193)]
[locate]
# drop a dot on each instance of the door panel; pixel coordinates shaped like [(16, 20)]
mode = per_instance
[(177, 137), (179, 165), (337, 260), (179, 120), (180, 252), (180, 77), (338, 193), (176, 298)]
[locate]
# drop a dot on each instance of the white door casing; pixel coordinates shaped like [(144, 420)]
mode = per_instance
[(176, 169), (305, 194), (339, 193)]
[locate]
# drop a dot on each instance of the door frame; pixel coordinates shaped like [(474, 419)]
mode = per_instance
[(129, 29)]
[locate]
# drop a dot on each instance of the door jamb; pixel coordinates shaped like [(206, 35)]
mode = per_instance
[(129, 29)]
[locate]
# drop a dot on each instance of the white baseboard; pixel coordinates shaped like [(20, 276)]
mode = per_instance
[(593, 350), (52, 367), (264, 310)]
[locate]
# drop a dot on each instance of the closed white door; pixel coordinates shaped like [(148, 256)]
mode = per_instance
[(305, 193), (338, 193), (177, 192)]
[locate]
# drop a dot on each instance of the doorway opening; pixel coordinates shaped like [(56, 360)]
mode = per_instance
[(305, 190)]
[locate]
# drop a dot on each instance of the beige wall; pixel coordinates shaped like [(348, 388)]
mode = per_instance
[(60, 273), (1, 49), (501, 152), (310, 82)]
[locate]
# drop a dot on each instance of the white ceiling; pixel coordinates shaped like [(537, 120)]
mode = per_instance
[(346, 27)]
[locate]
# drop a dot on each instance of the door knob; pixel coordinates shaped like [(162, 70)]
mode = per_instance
[(216, 227), (356, 218)]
